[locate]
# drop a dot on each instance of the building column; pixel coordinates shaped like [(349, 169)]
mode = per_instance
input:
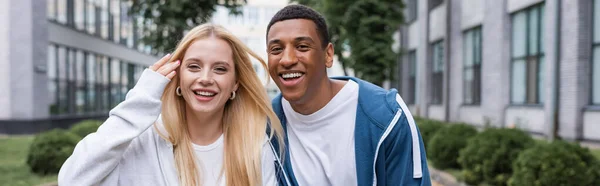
[(423, 58), (495, 67), (28, 42), (575, 59)]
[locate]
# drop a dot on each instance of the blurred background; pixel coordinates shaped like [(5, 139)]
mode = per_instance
[(505, 92)]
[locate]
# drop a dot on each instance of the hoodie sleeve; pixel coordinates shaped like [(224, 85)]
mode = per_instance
[(406, 162), (96, 157)]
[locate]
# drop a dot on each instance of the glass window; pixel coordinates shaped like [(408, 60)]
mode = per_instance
[(61, 11), (105, 83), (80, 93), (140, 33), (103, 6), (91, 16), (527, 56), (52, 86), (596, 21), (596, 55), (71, 80), (79, 14), (596, 75), (533, 30), (124, 80), (412, 63), (472, 66), (437, 73), (91, 69), (116, 17), (518, 81), (51, 9), (115, 82), (519, 33)]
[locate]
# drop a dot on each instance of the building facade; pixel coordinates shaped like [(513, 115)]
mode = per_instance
[(530, 64), (66, 60)]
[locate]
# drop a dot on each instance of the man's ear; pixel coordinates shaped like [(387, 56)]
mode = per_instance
[(329, 55)]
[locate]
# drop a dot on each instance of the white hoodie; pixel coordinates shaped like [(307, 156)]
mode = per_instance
[(126, 150)]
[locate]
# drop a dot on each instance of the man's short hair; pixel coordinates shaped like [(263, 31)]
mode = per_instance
[(302, 12)]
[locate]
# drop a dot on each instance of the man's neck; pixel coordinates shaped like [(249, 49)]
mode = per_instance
[(318, 100), (204, 128)]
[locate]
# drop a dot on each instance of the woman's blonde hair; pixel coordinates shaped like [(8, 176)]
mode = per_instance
[(244, 119)]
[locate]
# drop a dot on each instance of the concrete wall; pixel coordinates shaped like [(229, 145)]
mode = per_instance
[(471, 115), (516, 5), (574, 64), (63, 35), (423, 58), (471, 12), (495, 67), (455, 62), (414, 33), (5, 111), (591, 125), (437, 20), (28, 43), (436, 112), (527, 118)]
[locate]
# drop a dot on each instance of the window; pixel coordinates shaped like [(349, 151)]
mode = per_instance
[(437, 72), (434, 3), (104, 23), (80, 84), (104, 82), (91, 69), (115, 82), (52, 85), (596, 55), (472, 66), (61, 11), (80, 14), (527, 83), (412, 77), (91, 16), (61, 80), (412, 10), (51, 9), (116, 19)]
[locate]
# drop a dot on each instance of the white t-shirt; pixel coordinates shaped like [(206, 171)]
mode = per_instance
[(210, 162), (322, 144)]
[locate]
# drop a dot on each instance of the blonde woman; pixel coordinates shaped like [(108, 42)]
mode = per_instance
[(212, 129)]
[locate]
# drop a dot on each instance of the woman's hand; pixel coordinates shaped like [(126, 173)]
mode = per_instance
[(164, 68)]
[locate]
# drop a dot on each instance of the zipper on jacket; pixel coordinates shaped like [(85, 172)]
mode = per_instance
[(388, 130), (416, 147)]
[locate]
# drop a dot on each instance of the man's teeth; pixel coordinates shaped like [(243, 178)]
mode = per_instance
[(203, 93), (291, 75)]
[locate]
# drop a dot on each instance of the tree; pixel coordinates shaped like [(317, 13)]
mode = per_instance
[(167, 20), (370, 26), (333, 11), (365, 28)]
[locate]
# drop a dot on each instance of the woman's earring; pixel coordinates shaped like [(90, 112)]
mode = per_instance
[(178, 91), (232, 95)]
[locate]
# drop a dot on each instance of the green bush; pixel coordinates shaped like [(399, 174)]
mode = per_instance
[(556, 163), (447, 142), (489, 155), (49, 150), (86, 127), (428, 128)]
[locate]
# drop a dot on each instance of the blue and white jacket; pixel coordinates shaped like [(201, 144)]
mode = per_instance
[(388, 146)]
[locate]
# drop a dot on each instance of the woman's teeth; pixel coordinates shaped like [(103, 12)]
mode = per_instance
[(203, 93)]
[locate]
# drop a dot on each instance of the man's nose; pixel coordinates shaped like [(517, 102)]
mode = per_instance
[(289, 58)]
